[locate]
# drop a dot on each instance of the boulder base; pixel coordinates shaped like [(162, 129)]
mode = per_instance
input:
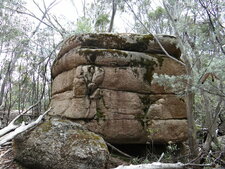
[(60, 144)]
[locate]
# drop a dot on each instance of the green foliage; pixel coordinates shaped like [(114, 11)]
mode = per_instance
[(143, 160), (100, 115), (176, 84), (155, 20), (171, 152), (83, 25), (101, 22), (157, 14), (148, 157)]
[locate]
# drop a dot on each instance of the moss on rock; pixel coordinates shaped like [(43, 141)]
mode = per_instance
[(92, 54), (128, 42), (58, 144), (45, 127), (99, 115)]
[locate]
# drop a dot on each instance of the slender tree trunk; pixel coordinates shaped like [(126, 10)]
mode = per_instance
[(33, 98), (189, 93), (114, 8), (19, 90), (2, 92), (190, 109), (10, 68), (10, 105), (38, 108), (84, 7), (211, 119)]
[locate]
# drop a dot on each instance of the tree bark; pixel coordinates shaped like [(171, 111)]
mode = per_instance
[(190, 109), (114, 8)]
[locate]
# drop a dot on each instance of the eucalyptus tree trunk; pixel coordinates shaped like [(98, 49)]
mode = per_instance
[(114, 8), (190, 109)]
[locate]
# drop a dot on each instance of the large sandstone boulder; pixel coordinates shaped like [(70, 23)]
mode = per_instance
[(105, 82), (60, 144)]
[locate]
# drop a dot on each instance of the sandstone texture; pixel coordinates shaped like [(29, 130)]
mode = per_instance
[(105, 82), (60, 144)]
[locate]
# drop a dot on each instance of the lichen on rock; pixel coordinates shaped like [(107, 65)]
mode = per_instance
[(60, 144)]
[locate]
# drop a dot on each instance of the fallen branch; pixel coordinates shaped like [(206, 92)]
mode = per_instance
[(119, 151), (10, 149), (19, 129), (11, 125), (158, 165), (6, 162), (155, 165), (160, 158), (8, 128)]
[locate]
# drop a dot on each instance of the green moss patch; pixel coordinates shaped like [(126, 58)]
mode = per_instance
[(46, 126), (146, 102), (149, 74), (130, 42), (99, 115), (85, 137)]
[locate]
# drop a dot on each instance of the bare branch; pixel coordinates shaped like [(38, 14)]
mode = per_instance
[(31, 15), (119, 151), (212, 26), (21, 129), (155, 37)]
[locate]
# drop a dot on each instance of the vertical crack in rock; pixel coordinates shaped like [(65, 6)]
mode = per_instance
[(86, 81)]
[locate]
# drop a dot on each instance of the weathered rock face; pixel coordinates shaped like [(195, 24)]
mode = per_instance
[(61, 144), (105, 82)]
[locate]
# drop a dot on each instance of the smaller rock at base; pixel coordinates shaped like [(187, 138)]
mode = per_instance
[(60, 144)]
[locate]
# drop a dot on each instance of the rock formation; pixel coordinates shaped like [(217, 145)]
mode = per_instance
[(102, 85), (60, 144), (105, 82)]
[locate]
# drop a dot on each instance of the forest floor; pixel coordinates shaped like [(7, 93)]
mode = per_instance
[(7, 158)]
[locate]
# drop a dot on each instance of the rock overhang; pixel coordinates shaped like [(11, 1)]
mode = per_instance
[(125, 41)]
